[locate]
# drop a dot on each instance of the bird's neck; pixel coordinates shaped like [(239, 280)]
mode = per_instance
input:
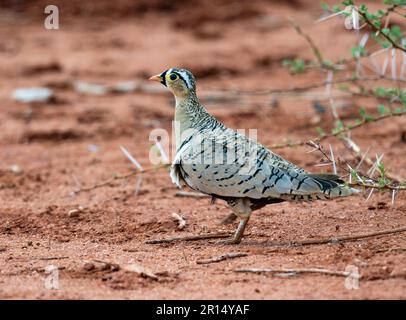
[(187, 115)]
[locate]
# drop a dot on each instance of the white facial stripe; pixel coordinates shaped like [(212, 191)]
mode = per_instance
[(186, 77)]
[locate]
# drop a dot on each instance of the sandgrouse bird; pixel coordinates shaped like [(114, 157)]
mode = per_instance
[(218, 161)]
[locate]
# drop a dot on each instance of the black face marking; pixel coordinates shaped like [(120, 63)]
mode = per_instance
[(163, 74)]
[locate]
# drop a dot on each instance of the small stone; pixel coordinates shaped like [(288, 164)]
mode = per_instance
[(90, 88), (16, 169), (27, 95), (125, 87), (73, 213), (88, 266)]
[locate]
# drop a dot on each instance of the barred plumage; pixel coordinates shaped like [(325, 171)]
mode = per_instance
[(221, 162)]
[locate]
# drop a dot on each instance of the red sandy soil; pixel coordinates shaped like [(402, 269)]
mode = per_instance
[(227, 46)]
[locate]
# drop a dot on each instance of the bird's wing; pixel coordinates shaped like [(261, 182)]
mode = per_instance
[(229, 164)]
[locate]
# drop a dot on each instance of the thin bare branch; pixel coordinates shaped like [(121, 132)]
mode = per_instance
[(339, 132), (342, 238), (109, 182), (295, 271), (222, 257), (190, 238)]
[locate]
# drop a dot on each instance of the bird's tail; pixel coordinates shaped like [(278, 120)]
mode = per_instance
[(332, 186), (328, 185)]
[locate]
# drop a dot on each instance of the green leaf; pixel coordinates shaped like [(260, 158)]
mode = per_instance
[(328, 63), (381, 109), (380, 92), (358, 121), (339, 127), (377, 24), (324, 6), (369, 118), (354, 175), (357, 51), (362, 112), (295, 66), (386, 44), (385, 31), (366, 117), (348, 3), (343, 87), (396, 31), (381, 168), (286, 62), (363, 8), (320, 131)]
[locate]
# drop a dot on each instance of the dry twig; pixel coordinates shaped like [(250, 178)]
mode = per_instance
[(51, 258), (190, 238), (338, 132), (117, 177), (291, 271), (222, 257), (334, 240)]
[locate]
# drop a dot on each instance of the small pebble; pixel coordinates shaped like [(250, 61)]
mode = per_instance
[(73, 213), (16, 169), (88, 266)]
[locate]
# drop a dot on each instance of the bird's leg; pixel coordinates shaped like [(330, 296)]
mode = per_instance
[(242, 209), (229, 219), (239, 232)]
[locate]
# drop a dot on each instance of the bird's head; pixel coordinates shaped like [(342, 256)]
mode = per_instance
[(181, 82)]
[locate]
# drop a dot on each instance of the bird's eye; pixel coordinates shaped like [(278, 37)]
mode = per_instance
[(173, 76)]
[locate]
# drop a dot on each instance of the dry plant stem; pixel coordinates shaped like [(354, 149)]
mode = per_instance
[(190, 238), (51, 258), (390, 250), (376, 186), (106, 183), (118, 177), (355, 149), (290, 243), (295, 271), (338, 132), (315, 85), (316, 50), (222, 257), (342, 238), (370, 185)]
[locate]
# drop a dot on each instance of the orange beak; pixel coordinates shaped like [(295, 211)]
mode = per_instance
[(156, 78)]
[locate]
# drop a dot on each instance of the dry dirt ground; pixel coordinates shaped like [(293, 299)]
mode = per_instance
[(73, 141)]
